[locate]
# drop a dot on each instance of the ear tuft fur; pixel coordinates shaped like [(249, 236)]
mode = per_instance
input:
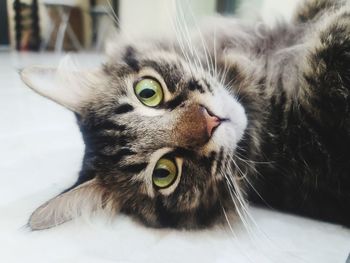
[(65, 85), (88, 198)]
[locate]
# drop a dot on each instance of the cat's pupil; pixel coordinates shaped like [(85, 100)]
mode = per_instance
[(161, 173), (147, 93)]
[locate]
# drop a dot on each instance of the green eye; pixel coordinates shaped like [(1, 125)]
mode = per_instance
[(149, 92), (164, 173)]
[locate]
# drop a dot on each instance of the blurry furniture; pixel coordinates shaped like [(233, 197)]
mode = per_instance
[(99, 13), (4, 30), (226, 7), (26, 25), (64, 9)]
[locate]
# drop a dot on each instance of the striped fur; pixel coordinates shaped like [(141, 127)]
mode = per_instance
[(285, 94)]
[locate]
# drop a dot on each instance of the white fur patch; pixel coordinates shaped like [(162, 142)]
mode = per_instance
[(224, 105)]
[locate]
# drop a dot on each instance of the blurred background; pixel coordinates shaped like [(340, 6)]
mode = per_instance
[(77, 25)]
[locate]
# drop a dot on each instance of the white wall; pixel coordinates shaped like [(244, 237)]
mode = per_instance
[(156, 16), (274, 9)]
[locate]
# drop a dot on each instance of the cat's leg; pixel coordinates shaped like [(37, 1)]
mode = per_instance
[(309, 10), (325, 74)]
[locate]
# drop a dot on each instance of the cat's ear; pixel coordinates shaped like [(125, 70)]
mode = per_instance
[(66, 84), (87, 198)]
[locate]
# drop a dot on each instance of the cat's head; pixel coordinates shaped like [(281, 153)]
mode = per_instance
[(159, 132)]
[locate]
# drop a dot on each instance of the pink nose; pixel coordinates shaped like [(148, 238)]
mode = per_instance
[(212, 121)]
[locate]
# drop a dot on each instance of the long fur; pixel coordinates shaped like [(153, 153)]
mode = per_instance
[(283, 92)]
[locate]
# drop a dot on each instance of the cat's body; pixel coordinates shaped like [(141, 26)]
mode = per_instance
[(302, 78), (273, 127)]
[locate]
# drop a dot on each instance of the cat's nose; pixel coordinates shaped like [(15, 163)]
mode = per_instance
[(194, 126), (212, 121)]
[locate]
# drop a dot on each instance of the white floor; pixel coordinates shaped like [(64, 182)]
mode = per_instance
[(40, 153)]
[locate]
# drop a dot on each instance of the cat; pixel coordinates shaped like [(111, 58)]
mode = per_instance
[(180, 132)]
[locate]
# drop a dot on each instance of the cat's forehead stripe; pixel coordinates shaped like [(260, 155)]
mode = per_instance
[(99, 141), (118, 156), (133, 168), (172, 104), (123, 108), (96, 124), (109, 125)]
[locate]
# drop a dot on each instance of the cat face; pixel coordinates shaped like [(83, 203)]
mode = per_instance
[(159, 134)]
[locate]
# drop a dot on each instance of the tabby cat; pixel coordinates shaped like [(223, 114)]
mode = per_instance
[(180, 132)]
